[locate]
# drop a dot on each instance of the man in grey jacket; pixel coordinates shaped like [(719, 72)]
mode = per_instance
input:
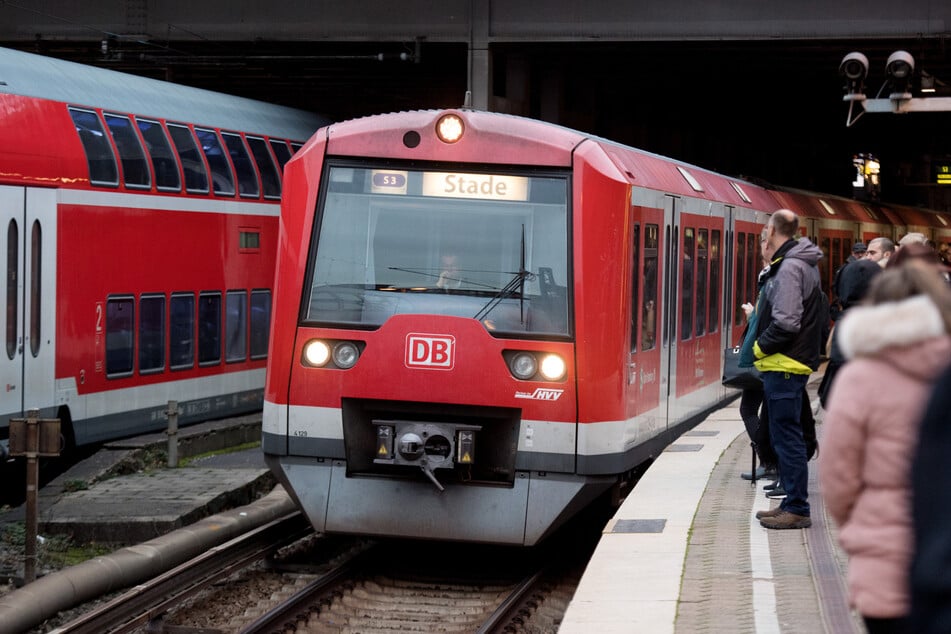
[(788, 335)]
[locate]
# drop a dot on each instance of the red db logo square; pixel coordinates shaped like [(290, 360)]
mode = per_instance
[(434, 352)]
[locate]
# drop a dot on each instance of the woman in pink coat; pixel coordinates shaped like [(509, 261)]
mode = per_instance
[(897, 343)]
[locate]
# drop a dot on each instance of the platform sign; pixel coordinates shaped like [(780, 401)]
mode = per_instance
[(942, 173)]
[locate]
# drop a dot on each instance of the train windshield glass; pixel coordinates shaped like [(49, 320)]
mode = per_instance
[(493, 247)]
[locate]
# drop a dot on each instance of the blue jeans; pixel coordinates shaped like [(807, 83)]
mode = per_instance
[(784, 394)]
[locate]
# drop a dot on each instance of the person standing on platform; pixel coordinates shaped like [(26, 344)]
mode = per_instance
[(896, 344), (931, 517), (880, 250), (787, 346), (854, 284)]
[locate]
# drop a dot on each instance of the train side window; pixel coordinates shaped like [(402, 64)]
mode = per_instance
[(236, 326), (196, 176), (151, 334), (754, 263), (702, 264), (260, 322), (714, 294), (181, 337), (635, 282), (825, 271), (135, 169), (167, 176), (209, 328), (649, 321), (99, 156), (270, 179), (13, 295), (281, 152), (248, 185), (120, 320), (295, 147), (740, 287), (222, 180), (686, 285)]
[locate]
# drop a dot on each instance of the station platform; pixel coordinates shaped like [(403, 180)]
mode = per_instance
[(685, 553), (116, 496)]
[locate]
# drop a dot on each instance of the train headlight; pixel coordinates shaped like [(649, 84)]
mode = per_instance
[(524, 365), (450, 128), (316, 353), (345, 355), (553, 367)]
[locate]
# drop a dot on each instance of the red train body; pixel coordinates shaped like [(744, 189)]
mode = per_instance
[(139, 224), (424, 285)]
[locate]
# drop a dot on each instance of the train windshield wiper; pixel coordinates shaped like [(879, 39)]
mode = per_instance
[(518, 281)]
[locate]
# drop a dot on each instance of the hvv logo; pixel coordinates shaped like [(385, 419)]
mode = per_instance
[(434, 352)]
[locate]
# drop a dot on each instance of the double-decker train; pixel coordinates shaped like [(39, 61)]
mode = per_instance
[(483, 322), (138, 228)]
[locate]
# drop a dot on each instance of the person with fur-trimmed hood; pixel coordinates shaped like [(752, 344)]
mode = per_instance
[(896, 343)]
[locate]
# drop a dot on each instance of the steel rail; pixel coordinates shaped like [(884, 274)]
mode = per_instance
[(148, 601)]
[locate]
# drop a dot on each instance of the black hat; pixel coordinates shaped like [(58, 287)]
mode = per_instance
[(858, 247)]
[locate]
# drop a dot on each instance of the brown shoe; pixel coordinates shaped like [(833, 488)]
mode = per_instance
[(773, 512), (785, 519)]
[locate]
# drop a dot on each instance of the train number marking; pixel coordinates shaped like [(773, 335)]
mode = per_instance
[(432, 352), (541, 394)]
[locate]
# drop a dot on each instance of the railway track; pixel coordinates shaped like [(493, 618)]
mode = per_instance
[(150, 600)]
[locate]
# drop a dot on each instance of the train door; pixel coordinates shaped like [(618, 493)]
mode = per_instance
[(28, 253), (671, 308)]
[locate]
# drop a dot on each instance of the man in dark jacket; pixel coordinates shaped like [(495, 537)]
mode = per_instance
[(787, 346)]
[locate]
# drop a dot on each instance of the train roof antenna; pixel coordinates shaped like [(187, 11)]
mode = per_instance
[(467, 102)]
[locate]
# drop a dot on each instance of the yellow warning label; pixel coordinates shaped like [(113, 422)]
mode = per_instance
[(383, 451), (466, 457)]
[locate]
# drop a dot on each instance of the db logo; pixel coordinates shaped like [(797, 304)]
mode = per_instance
[(435, 352)]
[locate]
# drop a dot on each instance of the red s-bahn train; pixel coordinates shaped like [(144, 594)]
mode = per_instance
[(483, 322), (138, 228)]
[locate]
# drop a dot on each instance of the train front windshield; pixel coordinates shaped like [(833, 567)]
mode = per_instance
[(493, 247)]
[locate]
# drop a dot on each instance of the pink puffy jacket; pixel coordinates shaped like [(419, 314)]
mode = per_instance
[(869, 433)]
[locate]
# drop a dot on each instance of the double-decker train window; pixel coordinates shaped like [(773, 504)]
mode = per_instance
[(686, 285), (222, 179), (135, 169), (196, 176), (243, 167), (714, 292), (120, 328), (236, 326), (181, 331), (649, 320), (209, 328), (36, 287), (702, 263), (260, 322), (102, 162), (151, 333), (270, 179), (281, 152), (167, 177), (13, 295)]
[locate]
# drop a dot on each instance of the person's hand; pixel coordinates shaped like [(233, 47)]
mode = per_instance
[(747, 309)]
